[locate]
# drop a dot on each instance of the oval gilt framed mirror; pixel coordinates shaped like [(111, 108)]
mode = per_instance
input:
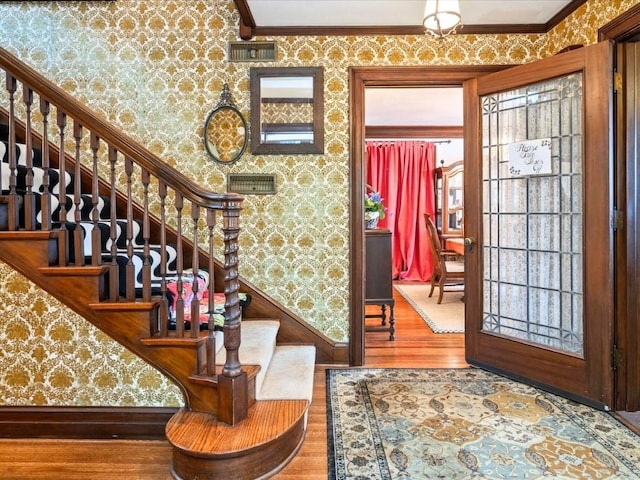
[(225, 130)]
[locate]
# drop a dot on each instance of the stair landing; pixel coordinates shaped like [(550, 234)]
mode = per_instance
[(258, 447)]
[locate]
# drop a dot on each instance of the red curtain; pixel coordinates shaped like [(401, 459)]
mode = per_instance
[(403, 173)]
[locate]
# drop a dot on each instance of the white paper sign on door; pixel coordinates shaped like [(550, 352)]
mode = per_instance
[(531, 157)]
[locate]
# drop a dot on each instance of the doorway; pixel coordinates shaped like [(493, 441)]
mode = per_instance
[(625, 31), (363, 77), (360, 79), (569, 62), (413, 144)]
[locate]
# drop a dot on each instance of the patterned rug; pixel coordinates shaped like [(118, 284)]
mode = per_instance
[(467, 424), (446, 317)]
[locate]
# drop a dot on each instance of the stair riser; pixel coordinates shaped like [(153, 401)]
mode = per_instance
[(43, 251), (4, 216)]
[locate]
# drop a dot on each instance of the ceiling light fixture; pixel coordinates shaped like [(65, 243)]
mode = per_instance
[(442, 17)]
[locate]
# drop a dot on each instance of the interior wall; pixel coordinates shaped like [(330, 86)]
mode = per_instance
[(155, 68)]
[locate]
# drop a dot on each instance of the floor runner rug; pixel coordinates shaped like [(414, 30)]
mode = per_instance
[(446, 317), (467, 424)]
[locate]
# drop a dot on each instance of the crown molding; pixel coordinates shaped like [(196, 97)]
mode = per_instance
[(248, 28)]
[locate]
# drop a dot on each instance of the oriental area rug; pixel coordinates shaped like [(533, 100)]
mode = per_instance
[(445, 317), (467, 424)]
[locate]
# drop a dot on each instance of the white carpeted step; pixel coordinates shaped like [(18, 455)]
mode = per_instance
[(257, 344), (290, 374)]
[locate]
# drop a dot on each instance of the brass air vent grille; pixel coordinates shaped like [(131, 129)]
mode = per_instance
[(252, 52), (251, 183)]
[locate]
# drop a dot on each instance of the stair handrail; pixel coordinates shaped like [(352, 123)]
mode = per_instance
[(124, 143)]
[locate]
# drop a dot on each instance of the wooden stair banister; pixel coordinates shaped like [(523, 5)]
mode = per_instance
[(105, 151), (293, 328), (111, 135)]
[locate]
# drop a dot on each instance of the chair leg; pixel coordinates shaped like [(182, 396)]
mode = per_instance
[(441, 288), (433, 283)]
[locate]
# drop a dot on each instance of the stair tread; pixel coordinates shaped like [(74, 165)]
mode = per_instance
[(200, 432), (290, 374), (73, 270), (257, 344)]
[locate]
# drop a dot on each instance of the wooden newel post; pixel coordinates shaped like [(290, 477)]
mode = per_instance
[(233, 387)]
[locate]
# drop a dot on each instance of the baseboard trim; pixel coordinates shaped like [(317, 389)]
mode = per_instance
[(135, 423)]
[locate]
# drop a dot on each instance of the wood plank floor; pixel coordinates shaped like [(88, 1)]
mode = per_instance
[(415, 346)]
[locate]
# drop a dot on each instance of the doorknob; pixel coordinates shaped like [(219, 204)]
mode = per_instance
[(469, 242)]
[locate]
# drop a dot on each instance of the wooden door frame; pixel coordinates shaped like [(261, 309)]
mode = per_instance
[(627, 245), (359, 79)]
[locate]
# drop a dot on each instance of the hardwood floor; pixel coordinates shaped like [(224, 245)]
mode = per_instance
[(415, 346)]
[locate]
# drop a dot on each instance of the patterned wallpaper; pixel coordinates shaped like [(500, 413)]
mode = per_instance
[(287, 113), (155, 68)]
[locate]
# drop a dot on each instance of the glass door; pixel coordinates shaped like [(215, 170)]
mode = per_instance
[(539, 287)]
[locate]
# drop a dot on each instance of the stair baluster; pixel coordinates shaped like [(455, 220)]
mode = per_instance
[(96, 243), (130, 288), (45, 196), (195, 268), (164, 303), (29, 208), (211, 339), (13, 201), (179, 301), (78, 232), (114, 269), (146, 252), (63, 250)]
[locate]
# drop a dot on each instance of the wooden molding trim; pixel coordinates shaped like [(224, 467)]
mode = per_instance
[(413, 131), (248, 28), (623, 27), (135, 423), (246, 16), (358, 31), (563, 13)]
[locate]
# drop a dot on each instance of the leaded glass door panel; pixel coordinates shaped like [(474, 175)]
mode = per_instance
[(539, 287)]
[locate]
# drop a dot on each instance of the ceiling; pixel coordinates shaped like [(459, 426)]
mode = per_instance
[(322, 17)]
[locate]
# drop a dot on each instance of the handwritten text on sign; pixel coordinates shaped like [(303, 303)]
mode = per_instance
[(532, 157)]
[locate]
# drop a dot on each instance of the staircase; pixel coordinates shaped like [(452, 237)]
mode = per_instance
[(111, 231)]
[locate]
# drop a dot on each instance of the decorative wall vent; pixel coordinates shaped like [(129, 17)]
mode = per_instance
[(252, 52), (250, 183)]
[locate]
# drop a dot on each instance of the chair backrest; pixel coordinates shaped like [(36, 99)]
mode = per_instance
[(434, 241)]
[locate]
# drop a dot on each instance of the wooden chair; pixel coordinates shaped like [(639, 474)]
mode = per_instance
[(447, 270)]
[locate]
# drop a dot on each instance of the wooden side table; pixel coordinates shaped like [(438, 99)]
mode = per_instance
[(378, 279)]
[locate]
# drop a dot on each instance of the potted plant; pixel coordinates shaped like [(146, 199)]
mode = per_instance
[(373, 209)]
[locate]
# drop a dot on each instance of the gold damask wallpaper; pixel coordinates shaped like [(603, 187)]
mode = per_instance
[(155, 68)]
